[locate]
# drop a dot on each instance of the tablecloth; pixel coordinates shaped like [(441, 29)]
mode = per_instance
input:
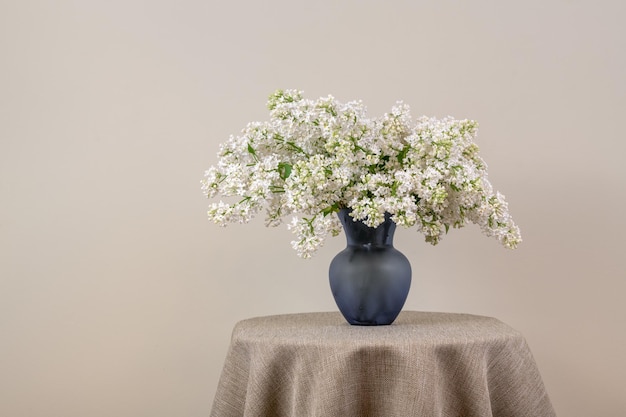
[(424, 364)]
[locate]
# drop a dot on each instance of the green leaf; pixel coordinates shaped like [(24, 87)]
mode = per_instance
[(402, 154), (330, 209), (284, 170), (252, 152)]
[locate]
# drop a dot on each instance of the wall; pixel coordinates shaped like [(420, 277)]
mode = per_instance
[(117, 296)]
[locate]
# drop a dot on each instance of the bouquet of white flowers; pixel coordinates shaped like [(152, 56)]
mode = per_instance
[(313, 158)]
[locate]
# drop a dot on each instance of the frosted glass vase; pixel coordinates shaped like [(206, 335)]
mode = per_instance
[(369, 279)]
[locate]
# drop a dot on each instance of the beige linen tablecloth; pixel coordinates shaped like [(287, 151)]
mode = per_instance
[(424, 364)]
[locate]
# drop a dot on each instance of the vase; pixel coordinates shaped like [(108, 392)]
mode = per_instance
[(369, 279)]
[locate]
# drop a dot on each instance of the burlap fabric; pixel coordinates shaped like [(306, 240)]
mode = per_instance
[(425, 364)]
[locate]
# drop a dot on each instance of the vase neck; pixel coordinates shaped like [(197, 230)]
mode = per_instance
[(359, 234)]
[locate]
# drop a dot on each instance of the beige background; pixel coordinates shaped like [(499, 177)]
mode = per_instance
[(117, 296)]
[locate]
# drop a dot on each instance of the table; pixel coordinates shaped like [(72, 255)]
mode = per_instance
[(424, 364)]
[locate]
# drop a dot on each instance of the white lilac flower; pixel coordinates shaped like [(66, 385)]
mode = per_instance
[(315, 157)]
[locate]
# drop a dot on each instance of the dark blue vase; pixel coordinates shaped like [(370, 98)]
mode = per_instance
[(370, 279)]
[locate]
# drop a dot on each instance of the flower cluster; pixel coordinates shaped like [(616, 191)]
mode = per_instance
[(313, 158)]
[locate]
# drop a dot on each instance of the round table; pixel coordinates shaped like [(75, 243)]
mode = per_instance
[(424, 364)]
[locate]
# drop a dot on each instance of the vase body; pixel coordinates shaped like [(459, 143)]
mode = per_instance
[(369, 279)]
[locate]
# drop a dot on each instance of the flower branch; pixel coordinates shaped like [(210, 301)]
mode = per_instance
[(315, 157)]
